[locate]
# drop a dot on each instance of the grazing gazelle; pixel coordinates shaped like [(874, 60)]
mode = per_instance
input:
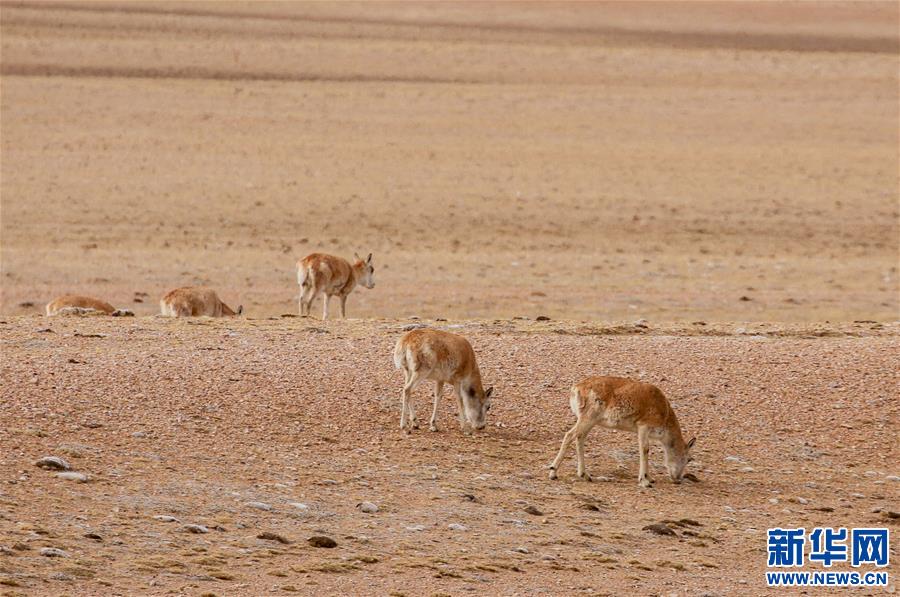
[(441, 357), (627, 405), (82, 305), (195, 301), (330, 276)]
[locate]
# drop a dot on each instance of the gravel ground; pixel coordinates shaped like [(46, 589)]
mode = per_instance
[(215, 449)]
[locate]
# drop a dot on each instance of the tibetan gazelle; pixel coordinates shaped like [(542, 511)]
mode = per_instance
[(627, 405), (195, 301), (330, 276), (441, 357), (82, 305)]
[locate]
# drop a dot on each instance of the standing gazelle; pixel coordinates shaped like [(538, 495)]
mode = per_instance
[(627, 405), (328, 275), (441, 357)]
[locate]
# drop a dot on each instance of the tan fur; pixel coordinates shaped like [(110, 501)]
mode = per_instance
[(627, 405), (73, 302), (330, 276), (194, 301), (442, 357)]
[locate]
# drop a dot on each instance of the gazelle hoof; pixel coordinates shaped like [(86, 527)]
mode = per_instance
[(645, 482), (432, 427), (552, 474), (585, 477)]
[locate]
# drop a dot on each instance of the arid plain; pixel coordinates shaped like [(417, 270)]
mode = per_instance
[(703, 196)]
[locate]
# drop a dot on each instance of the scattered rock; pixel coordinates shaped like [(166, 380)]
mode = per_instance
[(469, 497), (367, 507), (273, 537), (165, 518), (71, 476), (825, 509), (259, 506), (533, 511), (414, 326), (415, 527), (27, 304), (745, 298), (521, 549), (322, 541), (53, 463), (733, 459), (542, 318), (747, 469), (892, 478), (53, 552), (660, 529), (299, 505), (455, 526), (92, 424), (640, 323), (198, 529), (891, 514), (93, 536), (138, 434)]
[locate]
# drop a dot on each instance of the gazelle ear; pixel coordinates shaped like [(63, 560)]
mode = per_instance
[(240, 309), (369, 258), (690, 444), (488, 392), (358, 258)]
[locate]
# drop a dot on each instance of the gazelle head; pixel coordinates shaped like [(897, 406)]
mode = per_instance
[(477, 403), (677, 459), (366, 270)]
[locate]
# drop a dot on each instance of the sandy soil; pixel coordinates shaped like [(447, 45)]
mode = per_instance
[(726, 171), (580, 161), (198, 420)]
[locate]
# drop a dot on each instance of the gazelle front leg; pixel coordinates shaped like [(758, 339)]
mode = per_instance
[(343, 306), (643, 434), (460, 407), (407, 412), (580, 436), (438, 388)]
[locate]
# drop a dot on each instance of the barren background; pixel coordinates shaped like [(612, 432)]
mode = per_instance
[(726, 171)]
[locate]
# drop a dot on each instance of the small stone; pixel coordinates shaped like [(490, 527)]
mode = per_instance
[(640, 323), (533, 511), (93, 536), (299, 505), (415, 527), (803, 501), (521, 549), (747, 469), (198, 529), (732, 459), (53, 463), (138, 434), (367, 507), (273, 537), (52, 552), (322, 541), (892, 478), (70, 476), (542, 318), (164, 518), (454, 526), (259, 506), (659, 529)]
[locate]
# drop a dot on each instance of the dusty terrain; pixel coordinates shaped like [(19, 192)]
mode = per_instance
[(200, 419), (727, 172), (581, 161)]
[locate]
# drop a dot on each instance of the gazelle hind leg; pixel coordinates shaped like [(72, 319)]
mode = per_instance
[(643, 434), (407, 412), (577, 433), (438, 389)]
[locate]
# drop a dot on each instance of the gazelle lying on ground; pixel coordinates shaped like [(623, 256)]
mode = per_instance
[(441, 357), (319, 273), (195, 301), (74, 304), (627, 405)]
